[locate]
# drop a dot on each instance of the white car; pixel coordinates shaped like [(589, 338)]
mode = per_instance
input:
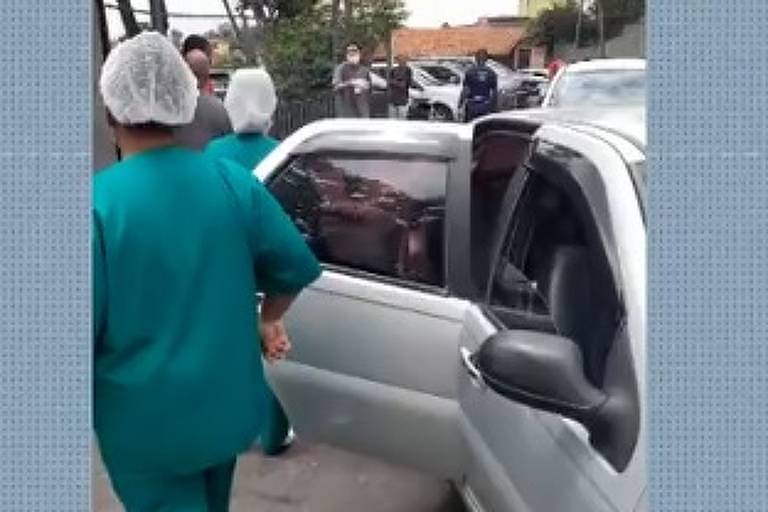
[(598, 83), (443, 98), (481, 313)]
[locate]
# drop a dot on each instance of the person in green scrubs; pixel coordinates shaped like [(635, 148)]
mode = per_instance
[(251, 102), (181, 244)]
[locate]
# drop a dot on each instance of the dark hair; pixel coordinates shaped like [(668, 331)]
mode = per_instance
[(482, 52), (354, 45), (150, 126), (196, 42)]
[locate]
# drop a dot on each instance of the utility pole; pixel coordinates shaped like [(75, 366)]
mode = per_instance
[(601, 26), (335, 15), (579, 22), (158, 16)]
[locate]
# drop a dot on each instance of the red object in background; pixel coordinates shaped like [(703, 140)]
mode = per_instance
[(208, 88), (554, 67)]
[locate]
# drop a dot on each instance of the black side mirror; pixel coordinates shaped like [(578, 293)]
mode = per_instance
[(540, 370)]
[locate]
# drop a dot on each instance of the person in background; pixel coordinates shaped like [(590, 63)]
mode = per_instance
[(554, 67), (198, 42), (211, 118), (480, 88), (400, 82), (251, 102), (352, 86), (181, 244)]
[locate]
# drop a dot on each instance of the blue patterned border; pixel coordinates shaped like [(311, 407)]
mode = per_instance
[(708, 309), (45, 162)]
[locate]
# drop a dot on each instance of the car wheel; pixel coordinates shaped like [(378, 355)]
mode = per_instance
[(441, 113)]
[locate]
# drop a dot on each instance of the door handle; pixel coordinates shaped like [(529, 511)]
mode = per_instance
[(469, 365)]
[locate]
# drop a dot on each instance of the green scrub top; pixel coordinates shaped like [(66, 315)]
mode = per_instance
[(181, 244), (246, 149)]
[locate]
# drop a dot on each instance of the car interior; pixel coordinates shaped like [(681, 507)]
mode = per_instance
[(364, 224), (551, 273)]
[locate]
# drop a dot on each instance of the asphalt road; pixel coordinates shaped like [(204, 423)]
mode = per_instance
[(316, 478)]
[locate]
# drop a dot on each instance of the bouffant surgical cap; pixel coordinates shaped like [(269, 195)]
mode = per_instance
[(145, 80), (251, 100)]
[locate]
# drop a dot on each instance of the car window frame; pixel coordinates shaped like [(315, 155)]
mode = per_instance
[(444, 290), (544, 153)]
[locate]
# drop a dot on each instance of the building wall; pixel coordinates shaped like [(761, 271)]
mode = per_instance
[(630, 44)]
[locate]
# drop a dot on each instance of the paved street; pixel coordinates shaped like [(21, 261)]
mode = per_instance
[(312, 478)]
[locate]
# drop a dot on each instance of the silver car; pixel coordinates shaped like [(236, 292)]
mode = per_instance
[(481, 314)]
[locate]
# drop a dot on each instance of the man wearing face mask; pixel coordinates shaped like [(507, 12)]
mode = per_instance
[(352, 86)]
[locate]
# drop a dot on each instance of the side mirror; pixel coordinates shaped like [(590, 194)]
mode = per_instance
[(540, 370)]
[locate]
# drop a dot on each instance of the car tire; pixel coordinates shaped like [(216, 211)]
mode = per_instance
[(441, 113)]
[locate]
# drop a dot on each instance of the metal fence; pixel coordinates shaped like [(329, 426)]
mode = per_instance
[(292, 115)]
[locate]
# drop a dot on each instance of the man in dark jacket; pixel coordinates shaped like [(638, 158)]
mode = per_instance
[(400, 82), (480, 88), (211, 119)]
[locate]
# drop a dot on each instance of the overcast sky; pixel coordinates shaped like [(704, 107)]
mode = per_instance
[(424, 13)]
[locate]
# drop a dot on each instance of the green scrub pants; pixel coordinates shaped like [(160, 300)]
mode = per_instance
[(275, 428), (206, 491)]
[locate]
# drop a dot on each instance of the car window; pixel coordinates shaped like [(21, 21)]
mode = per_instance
[(377, 215), (441, 73), (607, 87), (553, 272)]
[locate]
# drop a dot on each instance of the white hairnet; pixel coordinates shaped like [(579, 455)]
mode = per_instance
[(145, 79), (251, 100)]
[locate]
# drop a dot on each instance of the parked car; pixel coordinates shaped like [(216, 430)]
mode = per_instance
[(481, 313), (443, 99), (599, 83), (537, 72), (516, 90)]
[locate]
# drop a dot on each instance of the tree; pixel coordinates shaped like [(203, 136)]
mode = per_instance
[(299, 52), (270, 11), (558, 24)]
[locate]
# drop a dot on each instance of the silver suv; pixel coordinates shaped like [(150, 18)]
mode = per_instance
[(481, 314)]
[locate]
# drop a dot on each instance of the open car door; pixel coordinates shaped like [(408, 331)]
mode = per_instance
[(375, 338)]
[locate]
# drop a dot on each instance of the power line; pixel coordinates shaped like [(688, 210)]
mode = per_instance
[(184, 14)]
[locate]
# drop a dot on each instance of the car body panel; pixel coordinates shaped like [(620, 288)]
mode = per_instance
[(377, 369), (591, 66), (375, 359), (549, 444)]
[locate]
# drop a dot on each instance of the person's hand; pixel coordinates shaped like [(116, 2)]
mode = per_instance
[(275, 343)]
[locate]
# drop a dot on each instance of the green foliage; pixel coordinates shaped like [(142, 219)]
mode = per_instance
[(297, 54), (555, 24), (558, 24), (297, 50), (271, 11), (371, 23)]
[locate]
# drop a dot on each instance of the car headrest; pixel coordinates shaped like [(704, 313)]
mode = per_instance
[(569, 292)]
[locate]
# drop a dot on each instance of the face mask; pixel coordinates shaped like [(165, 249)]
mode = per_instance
[(353, 59)]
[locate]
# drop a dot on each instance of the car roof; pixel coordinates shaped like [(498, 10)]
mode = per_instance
[(407, 137), (606, 64), (627, 122)]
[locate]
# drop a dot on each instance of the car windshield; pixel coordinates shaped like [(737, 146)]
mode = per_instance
[(425, 78), (441, 73), (605, 87)]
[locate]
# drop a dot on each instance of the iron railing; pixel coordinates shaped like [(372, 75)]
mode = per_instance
[(292, 115)]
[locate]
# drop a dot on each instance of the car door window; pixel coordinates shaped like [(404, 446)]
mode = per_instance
[(552, 274), (365, 213)]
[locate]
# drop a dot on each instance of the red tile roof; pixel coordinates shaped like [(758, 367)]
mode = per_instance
[(455, 41)]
